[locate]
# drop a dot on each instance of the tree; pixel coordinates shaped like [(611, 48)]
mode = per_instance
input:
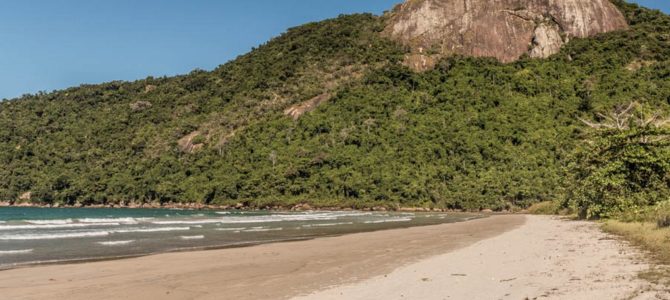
[(624, 164)]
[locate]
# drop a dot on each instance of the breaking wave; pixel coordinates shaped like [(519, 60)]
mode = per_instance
[(389, 220), (49, 222), (145, 230), (116, 243), (54, 226), (54, 236), (15, 252)]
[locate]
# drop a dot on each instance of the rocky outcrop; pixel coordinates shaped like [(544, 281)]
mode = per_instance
[(191, 143), (140, 105), (503, 29), (300, 109), (27, 196), (547, 40), (149, 88)]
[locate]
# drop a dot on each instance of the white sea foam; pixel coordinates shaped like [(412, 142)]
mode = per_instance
[(15, 252), (389, 220), (230, 229), (263, 229), (223, 212), (54, 226), (147, 230), (328, 224), (278, 218), (193, 237), (129, 221), (54, 236), (116, 243), (49, 222), (85, 234), (193, 222), (265, 219)]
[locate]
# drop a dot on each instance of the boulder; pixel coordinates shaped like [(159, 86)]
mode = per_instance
[(26, 196)]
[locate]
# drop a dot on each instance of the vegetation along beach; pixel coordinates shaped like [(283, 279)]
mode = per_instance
[(440, 149)]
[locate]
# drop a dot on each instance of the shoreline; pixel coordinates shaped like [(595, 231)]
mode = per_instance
[(303, 206), (283, 269), (181, 250), (214, 248)]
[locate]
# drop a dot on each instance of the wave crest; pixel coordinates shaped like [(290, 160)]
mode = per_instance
[(14, 252), (116, 243)]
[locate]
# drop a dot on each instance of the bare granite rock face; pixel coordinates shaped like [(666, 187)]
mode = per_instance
[(504, 29)]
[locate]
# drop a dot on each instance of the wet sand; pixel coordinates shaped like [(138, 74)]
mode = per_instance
[(270, 271)]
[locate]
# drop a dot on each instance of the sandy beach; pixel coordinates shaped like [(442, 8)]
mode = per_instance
[(501, 257), (546, 258)]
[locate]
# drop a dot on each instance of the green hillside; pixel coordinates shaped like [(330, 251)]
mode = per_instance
[(471, 134)]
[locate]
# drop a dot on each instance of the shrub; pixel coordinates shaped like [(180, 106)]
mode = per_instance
[(663, 221), (545, 208), (661, 214), (623, 165)]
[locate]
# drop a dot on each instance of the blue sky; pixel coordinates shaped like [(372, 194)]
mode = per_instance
[(47, 45)]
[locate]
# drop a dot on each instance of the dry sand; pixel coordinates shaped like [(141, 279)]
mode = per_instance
[(501, 257), (547, 258)]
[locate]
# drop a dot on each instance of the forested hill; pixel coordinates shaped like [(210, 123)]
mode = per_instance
[(327, 114)]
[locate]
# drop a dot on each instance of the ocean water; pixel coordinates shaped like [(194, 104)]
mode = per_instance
[(30, 236)]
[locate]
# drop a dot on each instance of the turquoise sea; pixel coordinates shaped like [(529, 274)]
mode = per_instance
[(30, 236)]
